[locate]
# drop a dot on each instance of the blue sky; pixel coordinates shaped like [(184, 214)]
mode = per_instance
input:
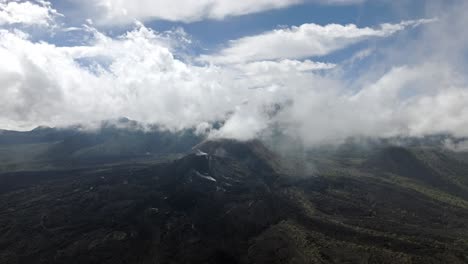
[(337, 68), (211, 34), (216, 32)]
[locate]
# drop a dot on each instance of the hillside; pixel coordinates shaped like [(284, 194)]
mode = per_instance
[(225, 201)]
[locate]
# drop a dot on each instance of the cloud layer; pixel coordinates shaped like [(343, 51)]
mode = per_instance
[(413, 87)]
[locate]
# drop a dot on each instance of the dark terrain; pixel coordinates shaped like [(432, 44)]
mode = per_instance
[(124, 196)]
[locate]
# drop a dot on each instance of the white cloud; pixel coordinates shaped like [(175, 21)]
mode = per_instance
[(38, 13), (259, 67), (408, 101), (135, 75), (419, 100), (304, 41), (458, 146), (124, 12)]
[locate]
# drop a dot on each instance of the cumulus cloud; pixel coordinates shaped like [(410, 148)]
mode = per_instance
[(92, 82), (51, 85), (307, 40), (28, 13), (124, 12)]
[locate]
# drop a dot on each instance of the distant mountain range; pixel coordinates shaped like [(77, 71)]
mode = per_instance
[(74, 146)]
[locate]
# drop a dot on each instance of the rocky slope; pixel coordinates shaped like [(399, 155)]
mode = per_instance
[(231, 202)]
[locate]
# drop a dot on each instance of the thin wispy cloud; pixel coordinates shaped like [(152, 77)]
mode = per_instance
[(124, 12), (307, 40)]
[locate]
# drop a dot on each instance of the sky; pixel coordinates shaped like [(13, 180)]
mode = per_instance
[(319, 70)]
